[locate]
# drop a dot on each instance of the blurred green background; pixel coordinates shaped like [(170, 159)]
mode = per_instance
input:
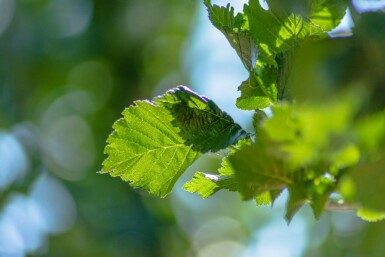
[(67, 70)]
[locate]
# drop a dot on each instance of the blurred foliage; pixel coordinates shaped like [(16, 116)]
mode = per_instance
[(67, 70)]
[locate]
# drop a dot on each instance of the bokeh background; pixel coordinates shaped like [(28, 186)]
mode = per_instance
[(67, 70)]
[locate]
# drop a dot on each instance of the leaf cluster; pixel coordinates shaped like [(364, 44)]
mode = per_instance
[(314, 150)]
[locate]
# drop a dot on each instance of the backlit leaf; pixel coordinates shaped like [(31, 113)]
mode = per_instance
[(327, 13), (370, 215), (146, 150), (278, 31), (233, 28), (207, 184), (155, 142)]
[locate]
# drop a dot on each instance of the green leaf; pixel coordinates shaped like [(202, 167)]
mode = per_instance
[(319, 194), (146, 150), (305, 133), (258, 169), (259, 118), (223, 17), (202, 124), (369, 184), (327, 13), (233, 28), (307, 189), (276, 31), (346, 157), (371, 132), (267, 198), (203, 184), (263, 199), (297, 197), (157, 141), (276, 34), (207, 184), (260, 90), (370, 215)]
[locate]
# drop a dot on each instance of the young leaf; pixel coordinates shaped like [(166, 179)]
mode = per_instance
[(202, 184), (207, 184), (327, 13), (146, 150), (232, 27), (276, 32), (260, 90)]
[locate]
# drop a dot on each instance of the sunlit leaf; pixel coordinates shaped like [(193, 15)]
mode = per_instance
[(157, 141), (370, 215), (203, 184), (279, 31), (146, 150), (267, 198), (233, 28), (327, 13), (208, 184)]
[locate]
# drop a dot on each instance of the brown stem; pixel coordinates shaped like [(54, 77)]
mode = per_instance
[(341, 206)]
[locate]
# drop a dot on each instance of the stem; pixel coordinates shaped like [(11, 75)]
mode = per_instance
[(337, 206)]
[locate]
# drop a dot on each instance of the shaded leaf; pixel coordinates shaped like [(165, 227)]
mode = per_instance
[(297, 197), (259, 117), (201, 123)]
